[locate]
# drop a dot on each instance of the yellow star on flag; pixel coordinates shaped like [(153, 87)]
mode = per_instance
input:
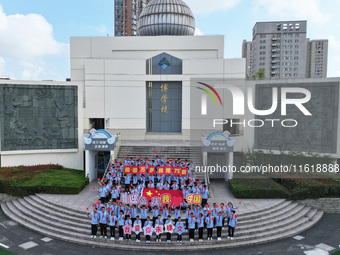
[(149, 193)]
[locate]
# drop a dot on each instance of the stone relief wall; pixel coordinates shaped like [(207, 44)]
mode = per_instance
[(35, 117), (316, 133)]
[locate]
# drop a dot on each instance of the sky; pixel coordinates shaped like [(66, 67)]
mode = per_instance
[(35, 34)]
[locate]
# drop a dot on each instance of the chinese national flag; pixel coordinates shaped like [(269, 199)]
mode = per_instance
[(152, 170), (135, 170), (161, 170), (176, 171), (168, 170), (142, 169), (127, 170), (184, 171), (176, 195)]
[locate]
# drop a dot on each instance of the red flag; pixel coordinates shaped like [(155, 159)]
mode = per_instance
[(87, 209), (154, 152), (118, 201), (125, 155), (94, 188), (136, 155), (98, 179), (235, 216), (162, 151), (240, 202)]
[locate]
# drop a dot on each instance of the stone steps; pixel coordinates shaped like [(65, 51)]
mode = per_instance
[(185, 152), (282, 220)]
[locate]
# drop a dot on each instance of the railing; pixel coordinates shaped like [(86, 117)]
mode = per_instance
[(107, 167)]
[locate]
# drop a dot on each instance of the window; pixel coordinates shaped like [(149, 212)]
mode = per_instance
[(297, 46), (297, 41), (234, 129)]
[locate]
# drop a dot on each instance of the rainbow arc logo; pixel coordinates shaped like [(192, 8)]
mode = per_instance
[(204, 96)]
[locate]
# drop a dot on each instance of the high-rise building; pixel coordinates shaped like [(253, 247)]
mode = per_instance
[(126, 16), (283, 50)]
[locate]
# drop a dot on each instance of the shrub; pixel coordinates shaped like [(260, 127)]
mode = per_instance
[(257, 188), (42, 179)]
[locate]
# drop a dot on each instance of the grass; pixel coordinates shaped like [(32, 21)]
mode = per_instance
[(336, 253), (52, 179), (5, 252)]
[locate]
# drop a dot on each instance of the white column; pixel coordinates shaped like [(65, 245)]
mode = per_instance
[(231, 163)]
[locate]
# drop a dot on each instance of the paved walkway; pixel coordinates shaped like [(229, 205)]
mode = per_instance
[(220, 193)]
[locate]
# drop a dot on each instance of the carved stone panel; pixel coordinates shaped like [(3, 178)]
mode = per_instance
[(316, 133), (36, 117)]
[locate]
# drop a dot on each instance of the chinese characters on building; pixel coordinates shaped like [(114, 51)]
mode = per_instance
[(164, 98)]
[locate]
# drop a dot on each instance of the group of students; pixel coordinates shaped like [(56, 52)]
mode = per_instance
[(196, 219), (109, 211)]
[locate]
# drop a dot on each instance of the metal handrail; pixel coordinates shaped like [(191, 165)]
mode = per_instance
[(107, 167)]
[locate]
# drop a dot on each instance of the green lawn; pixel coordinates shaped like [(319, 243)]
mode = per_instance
[(5, 252), (336, 253)]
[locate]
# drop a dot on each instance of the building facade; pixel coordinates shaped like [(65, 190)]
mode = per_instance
[(283, 50)]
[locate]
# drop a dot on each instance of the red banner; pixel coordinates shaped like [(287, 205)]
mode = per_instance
[(168, 170), (127, 169), (135, 170), (142, 169), (176, 171), (161, 170), (176, 195), (152, 170), (184, 171)]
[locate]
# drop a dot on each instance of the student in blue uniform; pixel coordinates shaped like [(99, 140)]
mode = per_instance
[(128, 222), (200, 223), (121, 224), (143, 214), (148, 223), (210, 224), (179, 223), (192, 226), (112, 224), (168, 235), (219, 220), (159, 222), (103, 216), (138, 221), (232, 225), (94, 222), (155, 212)]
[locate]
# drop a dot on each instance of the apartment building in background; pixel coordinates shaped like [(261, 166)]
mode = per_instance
[(283, 50), (126, 13)]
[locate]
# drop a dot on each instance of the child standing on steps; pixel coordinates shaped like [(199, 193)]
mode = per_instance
[(112, 223), (103, 216), (200, 223), (128, 222), (121, 224), (232, 225), (219, 220), (94, 222), (210, 224)]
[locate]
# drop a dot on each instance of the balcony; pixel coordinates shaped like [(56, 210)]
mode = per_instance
[(274, 61), (273, 73), (274, 45), (274, 56), (273, 67), (274, 50), (274, 39)]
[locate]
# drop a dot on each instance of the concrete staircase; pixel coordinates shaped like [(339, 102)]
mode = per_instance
[(280, 220), (190, 153)]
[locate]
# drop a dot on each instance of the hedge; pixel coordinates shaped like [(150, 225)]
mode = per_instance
[(294, 189), (23, 181), (310, 187), (257, 188)]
